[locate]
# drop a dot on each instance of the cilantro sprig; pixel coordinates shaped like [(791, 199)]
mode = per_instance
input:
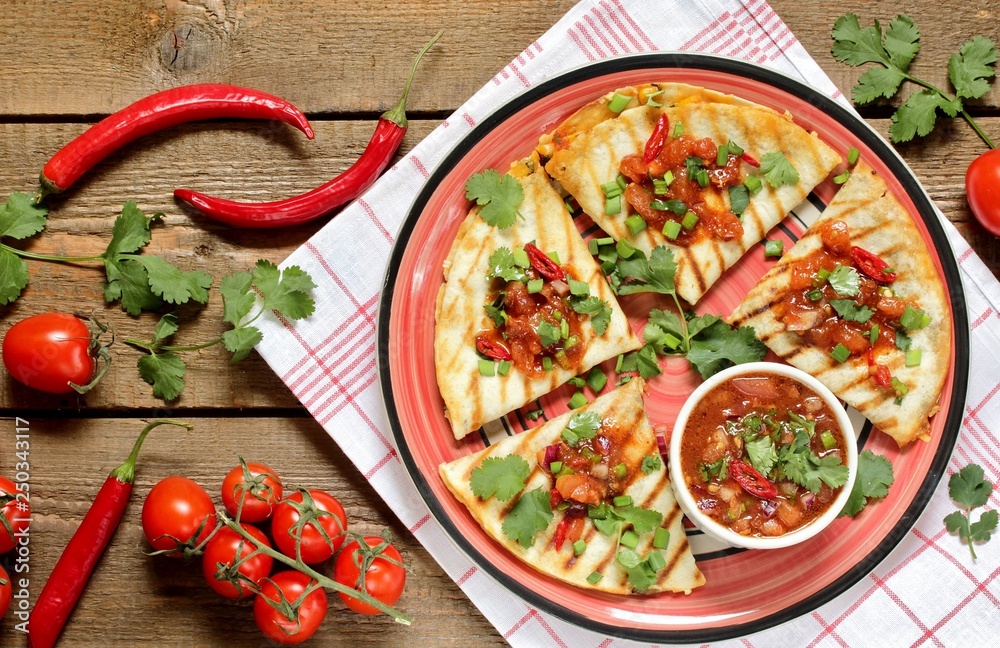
[(286, 292), (502, 477), (498, 195), (873, 481), (970, 489), (969, 72)]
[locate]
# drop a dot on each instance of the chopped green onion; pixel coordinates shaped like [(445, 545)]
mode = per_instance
[(535, 286), (577, 381), (689, 221), (546, 363), (913, 318), (873, 334), (607, 240), (487, 368), (913, 357), (555, 467), (553, 255), (753, 183), (898, 400), (899, 386), (702, 177), (521, 258), (599, 512), (656, 561), (579, 547), (611, 189), (618, 363), (570, 437), (829, 441), (671, 341), (660, 187), (504, 367), (649, 99), (622, 181), (613, 205), (735, 148), (579, 287), (623, 500), (593, 246), (815, 295), (597, 379), (841, 178), (852, 156), (590, 455), (625, 249), (578, 400), (630, 539), (564, 329), (595, 578), (571, 342), (635, 224), (678, 129), (774, 248), (570, 208), (619, 471), (671, 229), (618, 103), (722, 156), (674, 205), (668, 177), (840, 353), (821, 276), (661, 538)]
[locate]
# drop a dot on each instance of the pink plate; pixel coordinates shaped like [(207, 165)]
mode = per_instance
[(746, 591)]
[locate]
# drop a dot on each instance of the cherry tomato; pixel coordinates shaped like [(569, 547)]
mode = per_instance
[(177, 515), (6, 588), (275, 615), (325, 512), (47, 352), (222, 549), (982, 186), (257, 486), (385, 576), (17, 512)]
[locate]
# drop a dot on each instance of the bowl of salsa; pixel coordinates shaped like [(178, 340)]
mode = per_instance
[(762, 456)]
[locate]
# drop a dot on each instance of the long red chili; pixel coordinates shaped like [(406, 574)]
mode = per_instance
[(320, 201), (752, 481), (71, 573), (157, 112), (657, 139)]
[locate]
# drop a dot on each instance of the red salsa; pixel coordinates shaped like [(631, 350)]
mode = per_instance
[(763, 455)]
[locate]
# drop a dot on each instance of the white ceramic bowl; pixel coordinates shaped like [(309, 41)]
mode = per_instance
[(720, 532)]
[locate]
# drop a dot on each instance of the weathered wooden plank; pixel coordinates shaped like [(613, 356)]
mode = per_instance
[(138, 600)]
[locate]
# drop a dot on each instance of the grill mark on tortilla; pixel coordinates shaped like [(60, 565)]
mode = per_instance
[(668, 571), (692, 264), (758, 311)]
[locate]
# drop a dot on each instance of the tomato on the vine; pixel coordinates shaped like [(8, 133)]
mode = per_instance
[(177, 515), (16, 513), (296, 515), (49, 351), (277, 616), (257, 486), (221, 554), (982, 186), (384, 573), (6, 590)]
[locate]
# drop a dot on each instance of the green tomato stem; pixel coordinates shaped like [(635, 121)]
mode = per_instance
[(48, 257), (125, 473)]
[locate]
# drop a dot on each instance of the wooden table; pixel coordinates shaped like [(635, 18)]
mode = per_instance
[(67, 64)]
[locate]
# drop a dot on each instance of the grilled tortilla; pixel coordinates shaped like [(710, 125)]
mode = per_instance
[(470, 398), (879, 224), (593, 157), (624, 423)]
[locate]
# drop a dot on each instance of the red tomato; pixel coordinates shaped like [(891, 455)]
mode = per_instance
[(385, 576), (17, 512), (325, 512), (48, 352), (5, 591), (257, 486), (982, 186), (222, 549), (281, 591), (177, 515)]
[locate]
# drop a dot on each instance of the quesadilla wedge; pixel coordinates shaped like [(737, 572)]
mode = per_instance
[(522, 310), (584, 498), (706, 179), (857, 302)]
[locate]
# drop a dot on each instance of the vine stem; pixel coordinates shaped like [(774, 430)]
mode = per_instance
[(325, 581), (965, 115), (48, 257), (152, 348)]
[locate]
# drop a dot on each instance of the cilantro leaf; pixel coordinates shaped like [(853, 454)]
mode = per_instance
[(642, 520), (644, 361), (531, 514), (502, 265), (877, 82), (20, 217), (778, 170), (130, 233), (719, 345), (850, 311), (856, 46), (598, 310), (845, 281), (980, 531), (640, 575), (241, 340), (584, 424), (285, 291), (918, 115), (969, 488), (501, 476), (902, 41), (166, 327), (873, 480), (165, 372), (13, 276), (972, 66), (651, 463), (237, 298), (762, 454), (128, 281), (639, 274), (173, 285), (548, 333), (498, 195)]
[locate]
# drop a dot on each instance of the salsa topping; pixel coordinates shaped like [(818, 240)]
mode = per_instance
[(537, 308), (762, 455)]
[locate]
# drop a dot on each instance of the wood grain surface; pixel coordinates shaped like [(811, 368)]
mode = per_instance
[(67, 64)]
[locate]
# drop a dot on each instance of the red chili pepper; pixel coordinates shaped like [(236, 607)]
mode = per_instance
[(322, 200), (751, 160), (555, 498), (560, 535), (657, 140), (752, 481), (543, 263), (492, 349), (879, 372), (72, 571), (157, 112), (872, 265)]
